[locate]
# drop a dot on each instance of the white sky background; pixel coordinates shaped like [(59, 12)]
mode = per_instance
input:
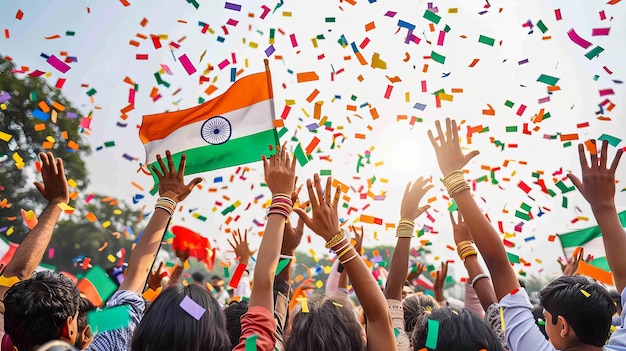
[(105, 58)]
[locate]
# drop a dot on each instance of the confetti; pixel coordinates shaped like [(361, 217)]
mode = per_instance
[(192, 308)]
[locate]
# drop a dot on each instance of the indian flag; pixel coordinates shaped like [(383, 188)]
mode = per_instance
[(232, 129), (589, 239)]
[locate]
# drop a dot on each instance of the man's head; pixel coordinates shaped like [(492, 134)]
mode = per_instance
[(577, 311), (41, 309), (217, 282), (84, 338)]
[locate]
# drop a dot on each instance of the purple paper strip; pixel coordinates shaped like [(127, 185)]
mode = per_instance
[(4, 97), (231, 6), (192, 307)]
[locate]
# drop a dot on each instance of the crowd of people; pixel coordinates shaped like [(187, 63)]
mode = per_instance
[(45, 310)]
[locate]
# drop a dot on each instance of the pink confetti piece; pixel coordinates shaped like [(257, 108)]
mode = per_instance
[(544, 100), (602, 15), (223, 64), (577, 39), (184, 60), (266, 10), (167, 69), (390, 14), (58, 64), (388, 91), (232, 22), (520, 110), (131, 96), (294, 42), (600, 31), (442, 36), (557, 14), (192, 307), (36, 73), (89, 198), (605, 92)]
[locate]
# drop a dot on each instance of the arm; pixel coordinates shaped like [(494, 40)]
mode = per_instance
[(409, 211), (440, 280), (54, 189), (280, 177), (172, 186), (482, 288), (451, 158), (325, 223), (598, 188)]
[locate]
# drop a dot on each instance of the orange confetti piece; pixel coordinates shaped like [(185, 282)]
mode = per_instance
[(569, 137), (91, 217), (43, 106), (474, 62), (307, 77), (370, 26), (73, 145), (137, 186), (39, 127)]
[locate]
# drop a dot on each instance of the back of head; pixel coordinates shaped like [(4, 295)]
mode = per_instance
[(585, 305), (414, 307), (330, 324), (459, 329), (233, 313), (37, 309), (167, 326), (84, 306)]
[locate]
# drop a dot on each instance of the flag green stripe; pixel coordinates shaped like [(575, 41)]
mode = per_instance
[(232, 153), (582, 236), (600, 262)]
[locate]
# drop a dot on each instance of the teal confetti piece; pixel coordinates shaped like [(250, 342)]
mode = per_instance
[(300, 156), (91, 92), (70, 33), (542, 27), (513, 258), (431, 16), (109, 318), (438, 58), (613, 141), (330, 19), (486, 40), (281, 265), (396, 332), (433, 334), (544, 78), (251, 342), (521, 215), (594, 52)]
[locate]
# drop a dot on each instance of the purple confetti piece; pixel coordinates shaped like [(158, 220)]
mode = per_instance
[(231, 6), (391, 14), (419, 106), (522, 62), (192, 307), (71, 115), (4, 97), (270, 50), (128, 157)]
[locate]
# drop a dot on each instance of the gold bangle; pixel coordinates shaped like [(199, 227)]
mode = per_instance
[(344, 252), (470, 253), (349, 259), (336, 239), (342, 247), (404, 233)]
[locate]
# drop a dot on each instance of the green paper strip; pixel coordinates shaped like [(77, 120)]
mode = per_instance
[(453, 207), (509, 103), (511, 129), (542, 27), (613, 141), (486, 40), (513, 258), (594, 52), (438, 58), (226, 273), (564, 202), (544, 78), (431, 16), (522, 215), (526, 207), (300, 156), (433, 334), (281, 265), (251, 342), (109, 318), (326, 172)]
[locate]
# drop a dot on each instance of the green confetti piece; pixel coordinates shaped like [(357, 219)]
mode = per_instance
[(228, 210), (482, 179), (613, 141), (526, 207), (521, 215), (101, 281), (564, 202), (433, 334), (226, 272), (513, 258), (396, 332), (546, 116), (282, 132), (509, 103), (281, 265), (522, 273), (596, 77), (551, 192), (446, 28), (431, 16), (326, 172), (594, 52), (330, 19), (300, 156), (353, 97), (541, 322), (511, 129), (567, 144), (564, 189), (251, 342), (70, 33), (486, 40), (544, 78), (91, 92), (109, 143), (542, 27), (453, 206), (438, 58), (109, 318)]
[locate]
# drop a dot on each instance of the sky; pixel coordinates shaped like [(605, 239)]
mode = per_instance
[(399, 80)]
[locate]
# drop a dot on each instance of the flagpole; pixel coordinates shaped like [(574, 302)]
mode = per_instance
[(271, 93)]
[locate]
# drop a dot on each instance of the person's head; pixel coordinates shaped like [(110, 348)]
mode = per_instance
[(168, 326), (407, 290), (617, 300), (41, 309), (577, 310), (198, 278), (330, 324), (459, 329), (414, 307), (85, 336), (217, 282), (233, 313)]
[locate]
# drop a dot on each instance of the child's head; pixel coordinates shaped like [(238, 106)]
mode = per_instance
[(84, 337), (459, 329), (577, 310), (329, 324), (414, 307), (168, 326), (233, 313)]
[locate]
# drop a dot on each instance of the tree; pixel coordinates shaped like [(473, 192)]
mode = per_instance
[(18, 117)]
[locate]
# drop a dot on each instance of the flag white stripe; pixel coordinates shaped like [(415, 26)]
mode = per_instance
[(594, 247), (244, 122)]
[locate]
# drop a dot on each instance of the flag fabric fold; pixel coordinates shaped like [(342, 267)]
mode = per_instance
[(232, 129)]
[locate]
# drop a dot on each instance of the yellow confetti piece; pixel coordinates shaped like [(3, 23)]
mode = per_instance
[(319, 284), (337, 304), (8, 282), (6, 137), (303, 304), (106, 224), (502, 317), (585, 293), (10, 230), (111, 258), (72, 183)]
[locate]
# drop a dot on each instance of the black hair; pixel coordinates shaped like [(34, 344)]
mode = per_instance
[(414, 307), (330, 324), (461, 329), (539, 317), (197, 276), (617, 299), (585, 304), (167, 326), (233, 313), (36, 309), (84, 306)]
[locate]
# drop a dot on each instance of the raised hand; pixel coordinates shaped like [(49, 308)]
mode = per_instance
[(415, 272), (241, 247), (571, 268), (325, 220), (358, 238), (460, 229), (171, 182), (54, 187), (598, 183), (440, 279), (154, 280), (413, 194), (448, 149), (280, 172)]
